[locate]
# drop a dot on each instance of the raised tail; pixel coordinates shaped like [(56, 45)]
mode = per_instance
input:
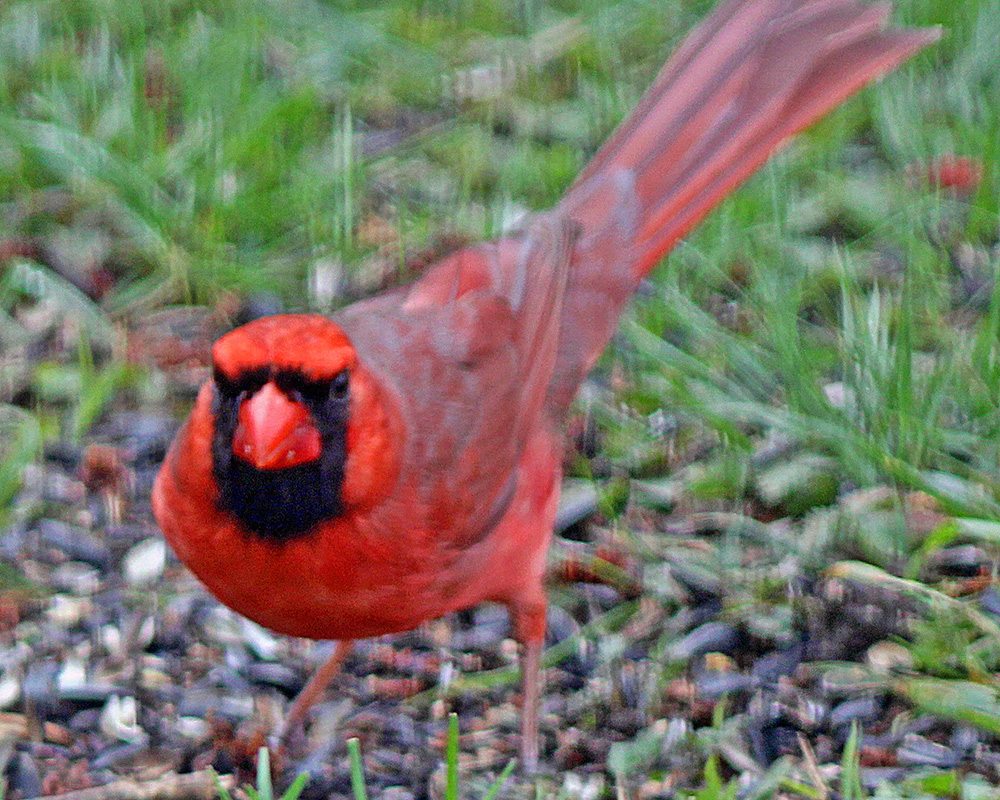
[(752, 74)]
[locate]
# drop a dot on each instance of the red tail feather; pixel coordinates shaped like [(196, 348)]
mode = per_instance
[(751, 75)]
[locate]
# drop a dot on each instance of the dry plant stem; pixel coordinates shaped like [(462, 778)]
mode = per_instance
[(531, 659), (197, 786), (812, 768), (312, 690)]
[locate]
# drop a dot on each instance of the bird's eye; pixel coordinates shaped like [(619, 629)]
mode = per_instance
[(242, 386), (340, 385), (223, 384)]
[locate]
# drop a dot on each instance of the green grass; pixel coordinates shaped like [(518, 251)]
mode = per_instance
[(357, 770), (264, 789), (451, 780)]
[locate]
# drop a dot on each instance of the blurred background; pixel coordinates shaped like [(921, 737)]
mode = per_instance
[(790, 450)]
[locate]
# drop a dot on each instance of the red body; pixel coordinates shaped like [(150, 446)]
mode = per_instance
[(351, 578)]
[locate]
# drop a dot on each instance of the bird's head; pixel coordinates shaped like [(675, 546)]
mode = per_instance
[(297, 425)]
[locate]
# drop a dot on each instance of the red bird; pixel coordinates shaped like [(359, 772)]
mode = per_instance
[(355, 476)]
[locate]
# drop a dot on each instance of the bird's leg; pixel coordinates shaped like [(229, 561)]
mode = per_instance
[(531, 659), (313, 689), (529, 630)]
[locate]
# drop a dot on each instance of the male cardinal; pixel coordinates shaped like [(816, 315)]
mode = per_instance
[(355, 476)]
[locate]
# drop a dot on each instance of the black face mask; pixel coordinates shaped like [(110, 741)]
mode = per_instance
[(282, 504)]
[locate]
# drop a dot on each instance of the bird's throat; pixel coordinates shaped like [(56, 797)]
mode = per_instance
[(280, 504)]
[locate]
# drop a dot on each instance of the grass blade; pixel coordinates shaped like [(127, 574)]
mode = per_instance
[(451, 759), (357, 770)]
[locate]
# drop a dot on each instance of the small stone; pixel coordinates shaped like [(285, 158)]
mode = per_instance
[(710, 637), (509, 649), (577, 501), (396, 793), (655, 790), (72, 675), (964, 738), (77, 578), (75, 542), (446, 674), (144, 634), (918, 751), (679, 732), (489, 625), (873, 778), (719, 662), (858, 709), (803, 482), (772, 666), (89, 693), (884, 657), (151, 678), (989, 600), (120, 720), (39, 686), (120, 755), (66, 611), (223, 627), (193, 728), (144, 563), (199, 702), (959, 561), (264, 644), (272, 673), (717, 684), (10, 689), (61, 489), (24, 777), (589, 788), (85, 720), (111, 641)]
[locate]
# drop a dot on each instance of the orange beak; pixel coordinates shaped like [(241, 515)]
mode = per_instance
[(273, 432)]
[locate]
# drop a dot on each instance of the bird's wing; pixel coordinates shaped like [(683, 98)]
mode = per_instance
[(468, 352)]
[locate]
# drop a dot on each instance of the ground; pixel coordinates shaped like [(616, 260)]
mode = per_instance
[(775, 570)]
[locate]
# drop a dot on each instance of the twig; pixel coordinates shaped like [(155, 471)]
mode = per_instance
[(812, 768), (196, 786)]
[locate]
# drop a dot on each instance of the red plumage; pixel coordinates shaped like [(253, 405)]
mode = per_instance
[(439, 405)]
